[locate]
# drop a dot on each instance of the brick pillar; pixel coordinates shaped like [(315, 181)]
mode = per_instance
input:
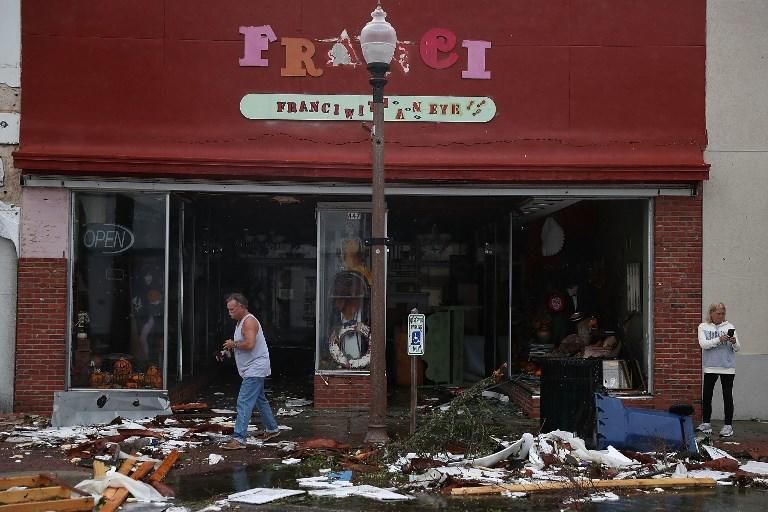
[(677, 305), (350, 392), (41, 333)]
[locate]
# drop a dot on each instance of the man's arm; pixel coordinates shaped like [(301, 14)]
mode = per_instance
[(250, 330)]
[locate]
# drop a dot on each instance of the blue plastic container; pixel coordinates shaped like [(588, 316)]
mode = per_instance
[(642, 430)]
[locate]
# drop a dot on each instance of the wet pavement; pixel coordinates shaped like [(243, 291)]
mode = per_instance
[(199, 485), (196, 492)]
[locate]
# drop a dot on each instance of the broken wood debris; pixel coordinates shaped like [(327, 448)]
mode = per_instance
[(584, 483), (40, 492), (113, 497), (190, 407)]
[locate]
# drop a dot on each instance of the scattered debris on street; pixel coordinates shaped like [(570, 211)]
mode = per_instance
[(464, 447)]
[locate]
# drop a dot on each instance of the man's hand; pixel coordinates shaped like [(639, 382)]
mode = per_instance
[(228, 345)]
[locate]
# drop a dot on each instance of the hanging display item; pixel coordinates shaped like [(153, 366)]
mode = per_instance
[(350, 338), (552, 237), (356, 334)]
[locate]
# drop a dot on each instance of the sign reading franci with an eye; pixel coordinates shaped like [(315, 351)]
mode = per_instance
[(311, 107)]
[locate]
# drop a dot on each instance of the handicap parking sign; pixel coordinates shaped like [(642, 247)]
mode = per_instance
[(416, 334)]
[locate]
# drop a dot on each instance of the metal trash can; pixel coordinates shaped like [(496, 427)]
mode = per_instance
[(568, 387)]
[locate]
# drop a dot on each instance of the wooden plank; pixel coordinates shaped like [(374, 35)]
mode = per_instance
[(585, 484), (99, 469), (195, 406), (24, 481), (113, 502), (56, 482), (129, 432), (143, 470), (124, 469), (35, 494), (127, 464), (117, 496), (71, 505), (165, 466)]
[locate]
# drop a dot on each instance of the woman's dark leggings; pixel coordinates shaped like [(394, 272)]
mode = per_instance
[(726, 382)]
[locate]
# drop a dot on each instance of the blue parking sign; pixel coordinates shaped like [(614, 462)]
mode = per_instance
[(416, 334)]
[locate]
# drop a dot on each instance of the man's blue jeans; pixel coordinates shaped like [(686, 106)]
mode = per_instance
[(252, 394)]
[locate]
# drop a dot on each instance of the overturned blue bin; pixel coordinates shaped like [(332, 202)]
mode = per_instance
[(642, 430)]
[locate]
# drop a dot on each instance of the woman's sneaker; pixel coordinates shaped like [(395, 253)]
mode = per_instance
[(726, 431), (706, 428)]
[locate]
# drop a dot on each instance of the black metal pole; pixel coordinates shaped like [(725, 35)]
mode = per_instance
[(377, 428)]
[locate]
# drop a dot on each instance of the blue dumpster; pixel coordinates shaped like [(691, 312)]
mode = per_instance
[(642, 430)]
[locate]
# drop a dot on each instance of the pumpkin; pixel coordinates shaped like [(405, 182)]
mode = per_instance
[(153, 377), (96, 380), (137, 379), (121, 371)]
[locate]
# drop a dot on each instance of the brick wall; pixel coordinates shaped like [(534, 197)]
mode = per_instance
[(351, 392), (40, 333), (677, 305), (525, 399)]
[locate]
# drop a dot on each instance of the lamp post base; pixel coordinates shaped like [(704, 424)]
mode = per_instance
[(377, 434)]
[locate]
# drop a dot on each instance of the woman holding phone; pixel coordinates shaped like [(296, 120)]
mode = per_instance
[(719, 344)]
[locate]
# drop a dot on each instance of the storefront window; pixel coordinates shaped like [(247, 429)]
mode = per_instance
[(344, 289), (118, 295)]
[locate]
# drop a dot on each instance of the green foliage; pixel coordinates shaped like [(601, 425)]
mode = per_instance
[(311, 465), (470, 420)]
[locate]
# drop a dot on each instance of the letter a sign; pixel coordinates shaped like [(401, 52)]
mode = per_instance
[(415, 334)]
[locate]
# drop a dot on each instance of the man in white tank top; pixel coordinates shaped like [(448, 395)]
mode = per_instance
[(252, 358)]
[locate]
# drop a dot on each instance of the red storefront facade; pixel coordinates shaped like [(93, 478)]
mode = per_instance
[(584, 104)]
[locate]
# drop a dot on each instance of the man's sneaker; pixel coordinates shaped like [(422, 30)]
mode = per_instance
[(705, 428), (233, 444), (726, 431), (266, 436)]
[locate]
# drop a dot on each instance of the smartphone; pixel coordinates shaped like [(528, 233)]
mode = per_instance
[(731, 332)]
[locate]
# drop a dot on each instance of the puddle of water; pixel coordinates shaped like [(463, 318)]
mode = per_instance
[(220, 483), (719, 499), (199, 490)]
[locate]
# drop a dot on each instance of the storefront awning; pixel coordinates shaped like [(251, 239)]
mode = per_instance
[(157, 90)]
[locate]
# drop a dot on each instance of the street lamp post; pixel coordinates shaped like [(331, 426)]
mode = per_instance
[(378, 40)]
